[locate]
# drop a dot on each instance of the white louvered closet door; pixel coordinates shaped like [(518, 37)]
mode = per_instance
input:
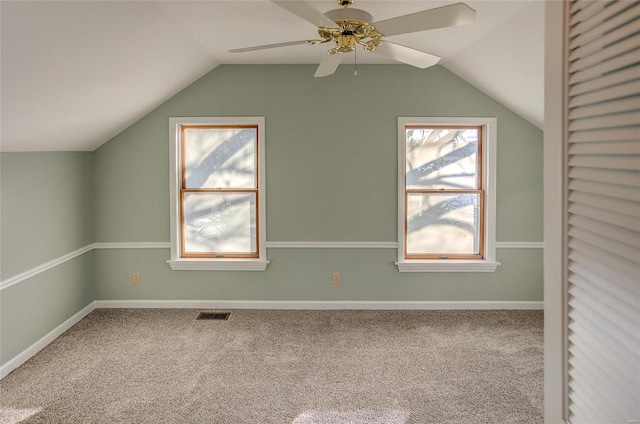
[(603, 212)]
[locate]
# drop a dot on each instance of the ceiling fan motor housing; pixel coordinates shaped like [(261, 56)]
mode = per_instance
[(354, 27), (349, 15)]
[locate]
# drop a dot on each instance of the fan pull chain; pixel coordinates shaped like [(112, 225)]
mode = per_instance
[(355, 62)]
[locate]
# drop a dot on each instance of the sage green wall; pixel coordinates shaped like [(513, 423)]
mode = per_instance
[(46, 201), (331, 176), (33, 308), (46, 207), (305, 274)]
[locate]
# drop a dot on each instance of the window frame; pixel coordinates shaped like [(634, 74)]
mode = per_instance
[(207, 261), (487, 186)]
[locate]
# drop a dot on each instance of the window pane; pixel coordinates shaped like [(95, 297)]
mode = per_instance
[(440, 158), (443, 224), (218, 223), (220, 157)]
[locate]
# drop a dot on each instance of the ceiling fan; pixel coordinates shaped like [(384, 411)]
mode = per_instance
[(347, 27)]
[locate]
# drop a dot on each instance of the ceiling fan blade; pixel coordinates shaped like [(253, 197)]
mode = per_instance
[(406, 55), (306, 12), (268, 46), (328, 65), (440, 17)]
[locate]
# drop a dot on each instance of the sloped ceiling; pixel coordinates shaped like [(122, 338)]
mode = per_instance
[(75, 74)]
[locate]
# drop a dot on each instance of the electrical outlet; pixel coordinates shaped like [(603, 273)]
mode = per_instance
[(336, 278), (135, 279)]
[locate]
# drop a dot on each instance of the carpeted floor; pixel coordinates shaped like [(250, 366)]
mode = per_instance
[(297, 367)]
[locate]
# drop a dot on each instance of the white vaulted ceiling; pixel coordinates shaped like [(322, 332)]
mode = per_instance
[(75, 74)]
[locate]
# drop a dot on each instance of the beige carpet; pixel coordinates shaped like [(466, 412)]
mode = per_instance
[(298, 367)]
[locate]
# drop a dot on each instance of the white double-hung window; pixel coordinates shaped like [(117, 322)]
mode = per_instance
[(217, 193), (446, 202)]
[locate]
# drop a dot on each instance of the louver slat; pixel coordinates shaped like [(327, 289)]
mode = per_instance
[(583, 411), (608, 190), (609, 121), (605, 27), (616, 178), (597, 45), (609, 217), (631, 238), (585, 337), (622, 46), (616, 322), (627, 284), (606, 81), (623, 210), (628, 59), (612, 231), (606, 94), (630, 163), (602, 342), (597, 254), (622, 148), (595, 19), (588, 365), (604, 406), (608, 108), (610, 134), (613, 384), (603, 211), (623, 250), (583, 9)]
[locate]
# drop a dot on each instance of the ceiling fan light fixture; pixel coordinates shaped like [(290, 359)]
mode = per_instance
[(344, 44)]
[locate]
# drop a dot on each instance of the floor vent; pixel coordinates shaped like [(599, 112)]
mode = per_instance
[(214, 315)]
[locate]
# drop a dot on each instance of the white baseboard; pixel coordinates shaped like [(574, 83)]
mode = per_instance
[(318, 305), (44, 341)]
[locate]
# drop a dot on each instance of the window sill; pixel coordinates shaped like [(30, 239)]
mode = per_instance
[(451, 265), (218, 264)]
